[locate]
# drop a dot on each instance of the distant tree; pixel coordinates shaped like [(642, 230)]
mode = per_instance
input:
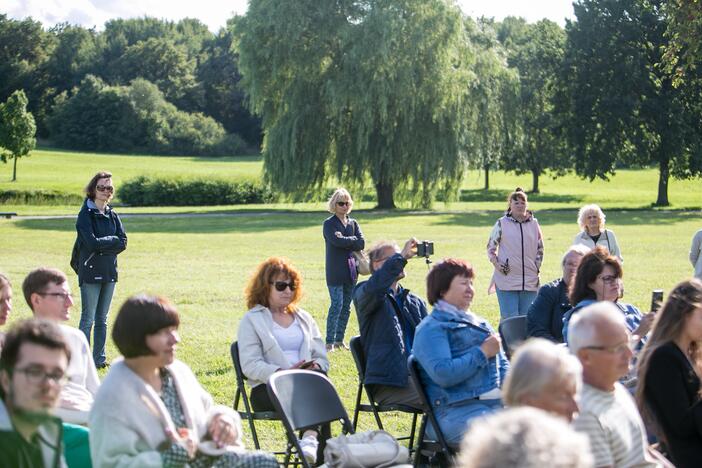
[(359, 89), (17, 129), (623, 106)]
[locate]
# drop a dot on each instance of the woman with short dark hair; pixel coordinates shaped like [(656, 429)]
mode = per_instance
[(151, 411), (462, 365), (100, 239)]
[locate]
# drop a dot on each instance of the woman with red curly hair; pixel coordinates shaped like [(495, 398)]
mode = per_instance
[(276, 334)]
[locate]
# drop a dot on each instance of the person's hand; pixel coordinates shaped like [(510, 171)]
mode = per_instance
[(410, 249), (298, 364), (645, 324), (502, 267), (223, 430), (491, 346), (338, 234), (184, 439)]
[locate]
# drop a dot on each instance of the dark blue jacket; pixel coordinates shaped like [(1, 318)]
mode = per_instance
[(101, 237), (338, 249), (382, 332), (545, 315)]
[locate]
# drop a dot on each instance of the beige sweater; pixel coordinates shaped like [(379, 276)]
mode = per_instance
[(259, 352)]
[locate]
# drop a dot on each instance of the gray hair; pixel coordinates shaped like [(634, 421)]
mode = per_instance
[(535, 365), (586, 210), (583, 326), (579, 249), (376, 251), (339, 194), (525, 437)]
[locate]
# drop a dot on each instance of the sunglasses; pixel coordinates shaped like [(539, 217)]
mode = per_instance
[(342, 203), (105, 188), (281, 285)]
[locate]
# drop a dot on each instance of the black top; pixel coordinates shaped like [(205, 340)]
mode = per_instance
[(545, 315), (17, 452), (338, 249), (672, 393)]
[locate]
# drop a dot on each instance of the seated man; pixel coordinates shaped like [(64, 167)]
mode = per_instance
[(49, 297), (33, 367), (598, 336), (545, 315), (387, 316)]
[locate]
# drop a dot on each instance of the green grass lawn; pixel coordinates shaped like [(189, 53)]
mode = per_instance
[(202, 264)]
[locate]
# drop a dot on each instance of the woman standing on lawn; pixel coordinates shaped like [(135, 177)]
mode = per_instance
[(516, 249), (101, 238), (592, 223), (342, 235)]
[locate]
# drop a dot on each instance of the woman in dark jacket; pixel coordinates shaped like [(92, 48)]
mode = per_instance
[(100, 238), (342, 235), (669, 388)]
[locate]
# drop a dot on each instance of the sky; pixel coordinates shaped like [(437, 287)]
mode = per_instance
[(214, 13)]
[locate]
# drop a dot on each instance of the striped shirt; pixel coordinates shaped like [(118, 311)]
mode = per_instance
[(614, 427)]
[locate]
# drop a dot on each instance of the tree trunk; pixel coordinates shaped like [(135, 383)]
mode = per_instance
[(663, 176), (486, 168), (384, 192), (14, 170), (535, 181)]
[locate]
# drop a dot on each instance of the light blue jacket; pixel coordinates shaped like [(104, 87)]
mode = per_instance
[(453, 367)]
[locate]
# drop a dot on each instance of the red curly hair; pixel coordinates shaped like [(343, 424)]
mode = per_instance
[(259, 288)]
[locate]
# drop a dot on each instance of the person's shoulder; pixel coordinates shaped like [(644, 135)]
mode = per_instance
[(667, 352), (75, 337), (329, 219)]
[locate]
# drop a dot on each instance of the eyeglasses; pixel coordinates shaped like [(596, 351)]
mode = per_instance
[(64, 296), (281, 285), (630, 344), (609, 279), (342, 203), (105, 188), (37, 375)]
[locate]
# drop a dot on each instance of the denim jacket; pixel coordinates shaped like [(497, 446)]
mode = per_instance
[(453, 367)]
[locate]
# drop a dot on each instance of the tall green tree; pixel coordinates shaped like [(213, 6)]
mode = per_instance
[(683, 53), (623, 108), (360, 89), (17, 129)]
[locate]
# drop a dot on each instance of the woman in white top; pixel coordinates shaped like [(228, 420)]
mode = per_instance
[(593, 233), (276, 334)]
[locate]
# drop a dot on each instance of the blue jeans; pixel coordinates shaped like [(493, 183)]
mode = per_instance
[(95, 300), (339, 311), (513, 303), (454, 420)]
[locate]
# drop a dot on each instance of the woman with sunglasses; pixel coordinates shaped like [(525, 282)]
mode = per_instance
[(342, 235), (275, 334), (101, 238)]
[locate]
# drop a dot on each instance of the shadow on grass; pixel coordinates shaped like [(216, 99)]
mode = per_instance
[(480, 195)]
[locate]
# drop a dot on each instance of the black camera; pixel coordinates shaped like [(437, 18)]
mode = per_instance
[(425, 248)]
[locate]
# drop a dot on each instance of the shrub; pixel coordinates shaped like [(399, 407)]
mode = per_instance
[(152, 191), (39, 197)]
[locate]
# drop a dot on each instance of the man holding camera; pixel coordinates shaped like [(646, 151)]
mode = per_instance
[(388, 315)]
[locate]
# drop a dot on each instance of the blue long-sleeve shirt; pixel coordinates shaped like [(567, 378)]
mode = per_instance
[(339, 248)]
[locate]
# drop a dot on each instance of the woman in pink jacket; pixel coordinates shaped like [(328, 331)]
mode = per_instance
[(516, 250)]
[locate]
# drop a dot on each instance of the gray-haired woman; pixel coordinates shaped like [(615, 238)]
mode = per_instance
[(591, 219)]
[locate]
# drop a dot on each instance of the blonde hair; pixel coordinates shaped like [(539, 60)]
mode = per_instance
[(585, 212), (340, 194)]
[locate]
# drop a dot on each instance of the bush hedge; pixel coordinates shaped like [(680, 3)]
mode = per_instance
[(39, 197), (152, 191)]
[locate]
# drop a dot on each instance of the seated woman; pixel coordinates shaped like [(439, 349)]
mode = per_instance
[(151, 411), (669, 374), (545, 376), (276, 334), (462, 364)]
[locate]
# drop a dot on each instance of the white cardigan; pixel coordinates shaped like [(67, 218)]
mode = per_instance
[(128, 419), (259, 351), (607, 240)]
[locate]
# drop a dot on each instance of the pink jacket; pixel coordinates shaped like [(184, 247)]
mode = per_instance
[(521, 244)]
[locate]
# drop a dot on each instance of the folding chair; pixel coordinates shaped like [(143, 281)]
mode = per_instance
[(513, 331), (248, 413), (439, 448), (373, 407), (305, 399)]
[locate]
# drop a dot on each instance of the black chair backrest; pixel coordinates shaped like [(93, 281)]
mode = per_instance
[(306, 398), (413, 367), (240, 377), (513, 331), (358, 356)]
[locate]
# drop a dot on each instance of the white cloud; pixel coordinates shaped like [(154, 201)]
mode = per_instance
[(214, 13)]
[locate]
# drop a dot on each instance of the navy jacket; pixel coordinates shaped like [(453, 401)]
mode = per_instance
[(382, 332), (339, 248), (101, 237), (545, 315)]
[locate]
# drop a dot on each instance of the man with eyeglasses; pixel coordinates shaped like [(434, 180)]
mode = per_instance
[(48, 295), (388, 315), (33, 367), (598, 336)]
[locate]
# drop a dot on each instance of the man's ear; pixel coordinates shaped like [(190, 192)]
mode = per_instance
[(34, 300)]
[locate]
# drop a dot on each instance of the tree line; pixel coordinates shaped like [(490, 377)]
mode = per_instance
[(400, 95)]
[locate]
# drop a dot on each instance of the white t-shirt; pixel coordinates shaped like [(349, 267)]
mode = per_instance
[(290, 340), (79, 392), (614, 427)]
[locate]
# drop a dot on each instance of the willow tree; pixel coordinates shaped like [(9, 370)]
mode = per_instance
[(359, 89)]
